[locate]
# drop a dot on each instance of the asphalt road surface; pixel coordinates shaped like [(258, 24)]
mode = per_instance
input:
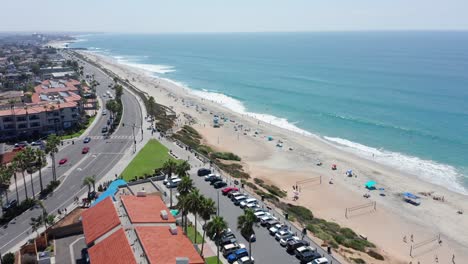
[(103, 155)]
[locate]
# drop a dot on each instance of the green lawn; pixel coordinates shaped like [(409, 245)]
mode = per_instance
[(212, 260), (81, 131), (152, 156), (191, 235)]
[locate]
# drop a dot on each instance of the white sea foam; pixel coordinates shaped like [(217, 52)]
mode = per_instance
[(427, 170), (151, 69)]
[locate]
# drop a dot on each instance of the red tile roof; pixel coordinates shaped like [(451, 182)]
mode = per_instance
[(114, 249), (99, 220), (7, 157), (162, 247), (146, 209)]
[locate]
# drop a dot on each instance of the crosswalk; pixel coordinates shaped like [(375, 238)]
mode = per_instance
[(111, 137)]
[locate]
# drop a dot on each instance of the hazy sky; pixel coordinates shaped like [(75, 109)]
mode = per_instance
[(232, 16)]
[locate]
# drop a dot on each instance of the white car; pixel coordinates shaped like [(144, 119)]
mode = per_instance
[(260, 214), (320, 261), (252, 206), (284, 241), (248, 201), (169, 179), (274, 229), (245, 260), (267, 218), (282, 234)]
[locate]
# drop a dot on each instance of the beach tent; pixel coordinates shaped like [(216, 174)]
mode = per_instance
[(270, 138), (349, 172), (111, 190), (370, 185)]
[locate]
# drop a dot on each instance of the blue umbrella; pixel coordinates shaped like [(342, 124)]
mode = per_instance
[(370, 185)]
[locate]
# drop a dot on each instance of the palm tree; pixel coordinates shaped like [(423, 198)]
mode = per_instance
[(21, 166), (185, 186), (206, 210), (40, 158), (30, 160), (169, 167), (215, 229), (12, 169), (183, 207), (5, 177), (194, 198), (36, 223), (52, 148), (245, 224), (182, 168), (88, 181)]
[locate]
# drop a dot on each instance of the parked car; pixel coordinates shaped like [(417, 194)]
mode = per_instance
[(168, 179), (209, 177), (203, 172), (63, 161), (239, 199), (284, 241), (104, 112), (104, 130), (260, 214), (271, 222), (231, 195), (37, 143), (85, 150), (10, 205), (265, 219), (245, 260), (252, 206), (282, 233), (219, 184), (86, 140), (227, 240), (215, 179), (85, 255), (304, 252), (320, 261), (238, 254), (293, 245), (309, 256), (228, 190), (276, 228), (243, 204), (231, 248), (174, 183), (21, 144)]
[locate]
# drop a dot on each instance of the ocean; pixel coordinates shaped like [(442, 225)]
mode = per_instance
[(400, 98)]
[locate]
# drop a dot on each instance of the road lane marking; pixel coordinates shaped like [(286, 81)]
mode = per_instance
[(70, 247)]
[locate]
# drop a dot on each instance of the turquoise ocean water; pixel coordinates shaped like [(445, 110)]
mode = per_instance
[(401, 97)]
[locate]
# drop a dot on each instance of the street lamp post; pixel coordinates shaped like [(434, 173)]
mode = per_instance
[(217, 213), (252, 237)]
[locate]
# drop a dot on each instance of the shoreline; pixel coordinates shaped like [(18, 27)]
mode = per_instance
[(262, 157)]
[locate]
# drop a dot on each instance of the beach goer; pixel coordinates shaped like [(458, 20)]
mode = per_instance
[(404, 238), (436, 259), (412, 240), (453, 258)]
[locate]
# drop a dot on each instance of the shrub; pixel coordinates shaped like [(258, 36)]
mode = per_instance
[(50, 188), (301, 213), (375, 255), (258, 181), (348, 233), (358, 260), (8, 258), (225, 156), (205, 150)]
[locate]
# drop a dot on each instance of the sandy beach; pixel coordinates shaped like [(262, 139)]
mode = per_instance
[(295, 161)]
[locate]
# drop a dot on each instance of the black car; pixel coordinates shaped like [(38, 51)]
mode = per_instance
[(85, 256), (219, 184), (293, 244), (215, 180), (104, 130), (10, 205), (309, 256), (203, 172), (227, 240)]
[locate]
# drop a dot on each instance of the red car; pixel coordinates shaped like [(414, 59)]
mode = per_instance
[(227, 190), (85, 150), (63, 161)]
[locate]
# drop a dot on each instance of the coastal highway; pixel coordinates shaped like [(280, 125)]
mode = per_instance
[(103, 155)]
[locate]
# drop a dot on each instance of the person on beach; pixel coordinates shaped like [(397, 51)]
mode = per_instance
[(412, 240), (404, 238)]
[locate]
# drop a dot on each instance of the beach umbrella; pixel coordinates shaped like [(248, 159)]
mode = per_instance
[(370, 185)]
